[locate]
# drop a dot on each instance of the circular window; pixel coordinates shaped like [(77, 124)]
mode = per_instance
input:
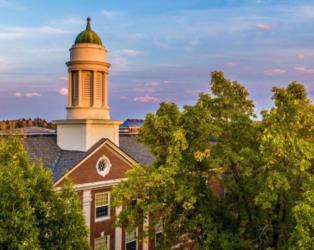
[(103, 166)]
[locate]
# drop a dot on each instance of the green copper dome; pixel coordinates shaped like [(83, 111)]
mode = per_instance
[(88, 35)]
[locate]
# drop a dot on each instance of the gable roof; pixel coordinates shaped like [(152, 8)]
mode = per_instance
[(93, 149), (137, 150), (62, 161)]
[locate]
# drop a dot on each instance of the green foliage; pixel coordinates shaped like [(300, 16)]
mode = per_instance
[(265, 166), (34, 215)]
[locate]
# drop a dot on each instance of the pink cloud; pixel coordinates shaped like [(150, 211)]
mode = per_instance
[(301, 56), (147, 87), (63, 91), (146, 99), (263, 26), (304, 70), (32, 94), (274, 72), (27, 94), (63, 78)]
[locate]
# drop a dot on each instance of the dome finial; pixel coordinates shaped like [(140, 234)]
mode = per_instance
[(87, 35), (88, 23)]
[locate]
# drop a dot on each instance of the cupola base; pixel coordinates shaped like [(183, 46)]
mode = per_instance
[(82, 134)]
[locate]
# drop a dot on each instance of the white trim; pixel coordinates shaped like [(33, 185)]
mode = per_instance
[(158, 230), (103, 218), (118, 232), (146, 239), (107, 167), (98, 184), (103, 236), (110, 144), (136, 235), (86, 202), (155, 240)]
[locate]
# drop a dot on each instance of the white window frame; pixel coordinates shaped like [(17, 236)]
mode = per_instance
[(108, 166), (104, 217), (103, 236), (158, 230), (125, 242)]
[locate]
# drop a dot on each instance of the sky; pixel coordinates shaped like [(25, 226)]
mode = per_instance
[(160, 50)]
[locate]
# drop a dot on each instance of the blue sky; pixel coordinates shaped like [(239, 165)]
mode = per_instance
[(159, 50)]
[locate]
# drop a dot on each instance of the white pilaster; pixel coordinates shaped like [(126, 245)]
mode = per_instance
[(87, 200), (118, 233), (145, 227)]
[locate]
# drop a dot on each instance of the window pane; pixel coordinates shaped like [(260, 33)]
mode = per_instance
[(131, 245), (102, 211), (130, 236), (101, 199), (102, 243), (158, 239)]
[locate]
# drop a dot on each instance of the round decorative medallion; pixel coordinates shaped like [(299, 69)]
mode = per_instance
[(103, 166)]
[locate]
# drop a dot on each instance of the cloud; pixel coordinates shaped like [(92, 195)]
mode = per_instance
[(301, 56), (119, 63), (130, 52), (152, 84), (69, 20), (146, 87), (307, 11), (4, 64), (11, 33), (63, 91), (63, 78), (7, 4), (231, 64), (32, 94), (146, 99), (263, 26), (27, 94), (109, 13), (48, 50), (134, 36), (274, 72), (304, 70)]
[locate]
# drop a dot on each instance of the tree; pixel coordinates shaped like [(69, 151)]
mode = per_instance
[(33, 214), (265, 168)]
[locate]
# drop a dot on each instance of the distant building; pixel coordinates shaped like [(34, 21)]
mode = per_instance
[(131, 126)]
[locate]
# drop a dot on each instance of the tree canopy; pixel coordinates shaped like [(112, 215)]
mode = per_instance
[(265, 167), (33, 214)]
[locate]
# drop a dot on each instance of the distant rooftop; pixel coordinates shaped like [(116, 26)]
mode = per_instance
[(27, 131), (132, 123), (131, 126)]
